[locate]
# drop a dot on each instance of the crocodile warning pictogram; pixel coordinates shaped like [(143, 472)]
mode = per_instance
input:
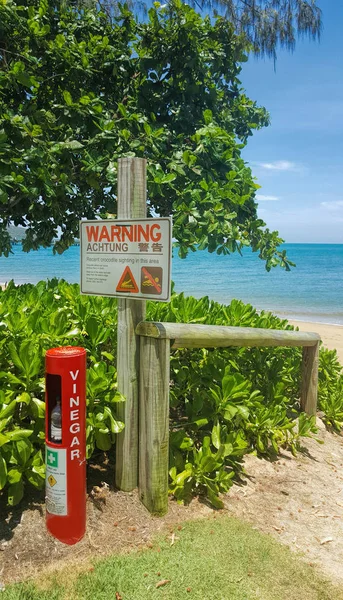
[(127, 282), (151, 280)]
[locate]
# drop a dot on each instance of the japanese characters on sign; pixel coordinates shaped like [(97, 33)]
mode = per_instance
[(126, 258)]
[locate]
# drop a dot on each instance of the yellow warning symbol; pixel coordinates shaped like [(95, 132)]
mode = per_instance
[(52, 480)]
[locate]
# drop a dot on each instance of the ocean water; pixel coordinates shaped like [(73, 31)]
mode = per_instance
[(312, 291)]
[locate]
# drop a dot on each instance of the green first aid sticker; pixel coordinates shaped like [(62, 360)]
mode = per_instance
[(51, 458), (56, 481)]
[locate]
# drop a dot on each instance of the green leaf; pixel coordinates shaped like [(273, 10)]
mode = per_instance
[(243, 411), (228, 449), (4, 439), (24, 397), (214, 499), (8, 410), (22, 451), (19, 434), (115, 426), (73, 145), (73, 332), (45, 29), (92, 328), (14, 475), (182, 477), (259, 444), (15, 357), (108, 355), (15, 493), (201, 422), (36, 479), (118, 397), (67, 98), (208, 116), (168, 178), (37, 460), (28, 358), (3, 472), (25, 79), (38, 408), (216, 435), (85, 100), (103, 440), (230, 412), (3, 196), (60, 40), (208, 464)]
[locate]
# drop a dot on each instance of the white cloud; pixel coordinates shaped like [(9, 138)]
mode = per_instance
[(333, 204), (278, 165), (263, 198)]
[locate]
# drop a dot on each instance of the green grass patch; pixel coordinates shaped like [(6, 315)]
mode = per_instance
[(215, 559)]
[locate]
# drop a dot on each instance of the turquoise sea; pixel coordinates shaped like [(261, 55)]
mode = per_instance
[(312, 291)]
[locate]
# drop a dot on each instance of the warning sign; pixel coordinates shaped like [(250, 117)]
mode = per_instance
[(151, 280), (126, 258), (127, 282), (56, 476), (52, 481)]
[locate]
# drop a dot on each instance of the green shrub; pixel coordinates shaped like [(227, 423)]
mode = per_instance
[(34, 318), (224, 402), (331, 388)]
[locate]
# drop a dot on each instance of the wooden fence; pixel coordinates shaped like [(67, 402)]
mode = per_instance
[(143, 366), (156, 339)]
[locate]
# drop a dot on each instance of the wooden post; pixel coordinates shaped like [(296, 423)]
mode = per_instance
[(131, 205), (309, 379), (154, 424)]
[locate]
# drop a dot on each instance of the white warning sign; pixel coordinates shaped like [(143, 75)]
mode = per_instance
[(126, 258), (56, 480)]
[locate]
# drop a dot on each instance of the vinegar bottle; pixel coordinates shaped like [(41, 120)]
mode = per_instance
[(56, 423)]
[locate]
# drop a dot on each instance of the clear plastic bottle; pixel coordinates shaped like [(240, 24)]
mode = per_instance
[(56, 422)]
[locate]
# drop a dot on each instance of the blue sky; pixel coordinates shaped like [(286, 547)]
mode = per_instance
[(298, 159)]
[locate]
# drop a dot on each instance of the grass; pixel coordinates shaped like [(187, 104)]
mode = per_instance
[(216, 559)]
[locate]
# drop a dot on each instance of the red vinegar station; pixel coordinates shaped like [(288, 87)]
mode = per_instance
[(65, 436)]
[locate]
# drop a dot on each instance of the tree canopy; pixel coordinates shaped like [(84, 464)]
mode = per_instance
[(78, 90), (266, 24)]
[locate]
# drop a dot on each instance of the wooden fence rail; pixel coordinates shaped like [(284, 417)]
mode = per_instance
[(156, 339)]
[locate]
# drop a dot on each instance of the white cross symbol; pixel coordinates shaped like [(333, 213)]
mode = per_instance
[(51, 458)]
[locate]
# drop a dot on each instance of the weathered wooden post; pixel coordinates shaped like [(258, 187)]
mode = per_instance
[(309, 379), (154, 424), (131, 201)]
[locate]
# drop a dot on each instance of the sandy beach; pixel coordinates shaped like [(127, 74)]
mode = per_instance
[(332, 335)]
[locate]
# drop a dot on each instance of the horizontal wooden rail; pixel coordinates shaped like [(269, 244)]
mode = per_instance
[(188, 335), (156, 340)]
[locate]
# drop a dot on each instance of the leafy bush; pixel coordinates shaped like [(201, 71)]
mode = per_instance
[(34, 318), (224, 402), (331, 388), (228, 401)]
